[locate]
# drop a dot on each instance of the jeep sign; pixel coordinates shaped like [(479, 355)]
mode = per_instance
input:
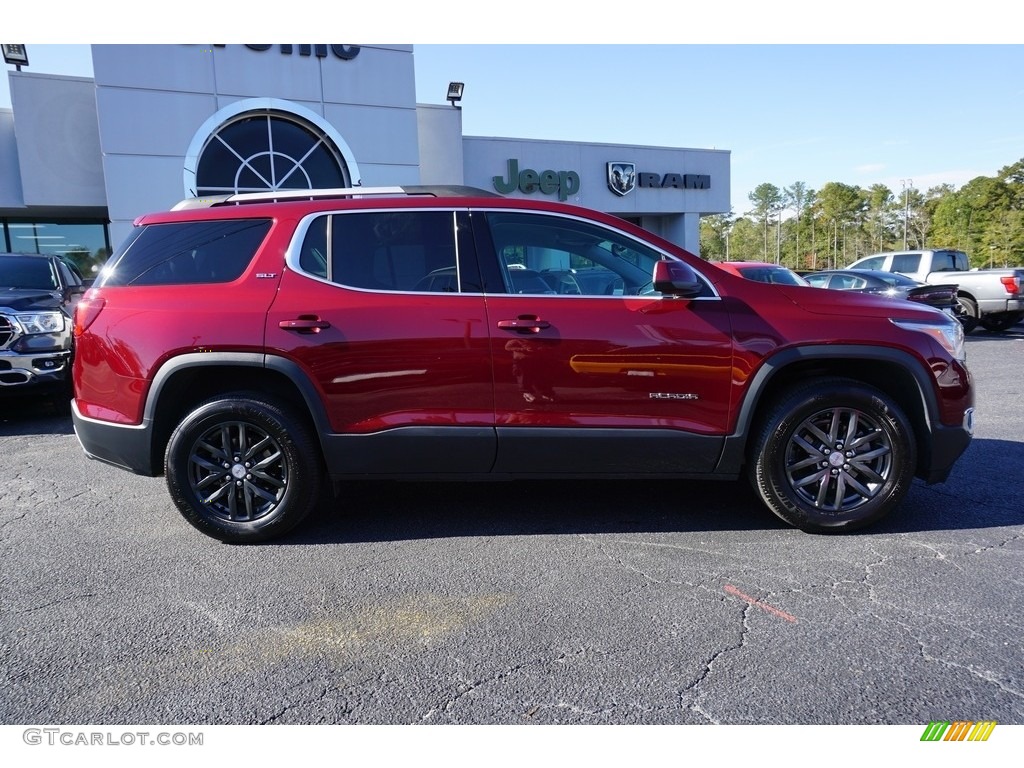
[(528, 181)]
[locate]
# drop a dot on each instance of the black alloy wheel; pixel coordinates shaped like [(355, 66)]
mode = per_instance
[(242, 468), (835, 455)]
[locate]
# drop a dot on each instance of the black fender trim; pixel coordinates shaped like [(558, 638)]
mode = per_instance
[(289, 369), (734, 453), (130, 446)]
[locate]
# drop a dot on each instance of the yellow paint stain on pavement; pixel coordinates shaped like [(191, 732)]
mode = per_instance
[(415, 618)]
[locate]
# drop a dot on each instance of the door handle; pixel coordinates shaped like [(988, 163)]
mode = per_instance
[(304, 324), (524, 324)]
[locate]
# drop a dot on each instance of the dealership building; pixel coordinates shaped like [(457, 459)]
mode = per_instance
[(80, 158)]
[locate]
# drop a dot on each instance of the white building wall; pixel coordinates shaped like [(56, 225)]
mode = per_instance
[(127, 142), (57, 137), (440, 143), (486, 157), (152, 100), (674, 213)]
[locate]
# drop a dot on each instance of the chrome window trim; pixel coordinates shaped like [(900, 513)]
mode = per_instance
[(302, 228), (562, 215), (293, 252)]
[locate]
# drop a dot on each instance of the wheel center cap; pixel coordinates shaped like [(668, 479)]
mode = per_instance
[(836, 459), (238, 471)]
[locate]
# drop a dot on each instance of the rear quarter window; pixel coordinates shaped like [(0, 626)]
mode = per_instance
[(186, 253)]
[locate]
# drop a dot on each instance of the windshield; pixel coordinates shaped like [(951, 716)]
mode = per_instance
[(27, 272)]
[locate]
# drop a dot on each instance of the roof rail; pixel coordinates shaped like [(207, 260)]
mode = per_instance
[(326, 194)]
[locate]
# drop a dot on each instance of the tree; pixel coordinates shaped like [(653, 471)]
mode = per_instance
[(1003, 239), (879, 216), (840, 204), (767, 201), (795, 197), (714, 236), (744, 240), (982, 218)]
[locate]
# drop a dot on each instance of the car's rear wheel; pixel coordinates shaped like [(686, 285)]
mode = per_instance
[(835, 455), (242, 468), (1001, 322), (968, 313)]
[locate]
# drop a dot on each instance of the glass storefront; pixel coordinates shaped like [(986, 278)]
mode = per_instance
[(85, 243)]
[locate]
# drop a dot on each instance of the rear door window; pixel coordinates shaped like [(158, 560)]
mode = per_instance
[(395, 251), (950, 261), (400, 250)]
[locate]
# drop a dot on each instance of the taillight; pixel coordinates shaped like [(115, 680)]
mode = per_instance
[(1011, 283), (87, 311)]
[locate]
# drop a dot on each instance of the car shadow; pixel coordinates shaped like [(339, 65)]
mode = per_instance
[(369, 511), (985, 475), (379, 511), (26, 415), (1016, 333), (387, 510)]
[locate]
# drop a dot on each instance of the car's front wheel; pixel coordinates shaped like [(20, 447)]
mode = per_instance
[(834, 455), (242, 468)]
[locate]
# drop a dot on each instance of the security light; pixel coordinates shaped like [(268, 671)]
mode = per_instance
[(17, 55), (455, 92)]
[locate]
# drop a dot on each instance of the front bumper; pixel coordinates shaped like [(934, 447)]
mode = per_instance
[(19, 371), (948, 445)]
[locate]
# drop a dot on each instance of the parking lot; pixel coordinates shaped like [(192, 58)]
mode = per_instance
[(512, 603)]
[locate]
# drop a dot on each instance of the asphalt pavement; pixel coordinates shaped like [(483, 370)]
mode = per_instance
[(514, 603)]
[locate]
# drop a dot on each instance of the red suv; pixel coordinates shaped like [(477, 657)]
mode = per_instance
[(255, 347)]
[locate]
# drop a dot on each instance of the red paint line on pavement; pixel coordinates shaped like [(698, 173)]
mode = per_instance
[(763, 606)]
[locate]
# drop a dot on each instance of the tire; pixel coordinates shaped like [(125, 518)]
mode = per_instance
[(265, 485), (796, 474), (1000, 322), (968, 313)]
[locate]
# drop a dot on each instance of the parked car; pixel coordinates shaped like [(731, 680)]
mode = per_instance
[(890, 284), (253, 348), (762, 272), (37, 296), (992, 298)]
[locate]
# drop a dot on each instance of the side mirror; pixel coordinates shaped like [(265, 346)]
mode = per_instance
[(675, 278)]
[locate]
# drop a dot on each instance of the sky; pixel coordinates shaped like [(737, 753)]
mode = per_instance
[(857, 113)]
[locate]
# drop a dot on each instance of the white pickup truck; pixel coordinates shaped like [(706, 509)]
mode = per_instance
[(993, 298)]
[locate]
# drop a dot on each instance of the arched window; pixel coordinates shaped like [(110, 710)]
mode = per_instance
[(266, 148)]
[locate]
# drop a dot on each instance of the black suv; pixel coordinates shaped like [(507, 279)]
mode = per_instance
[(37, 297)]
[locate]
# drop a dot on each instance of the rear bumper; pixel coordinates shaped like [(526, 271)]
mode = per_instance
[(124, 446), (991, 306)]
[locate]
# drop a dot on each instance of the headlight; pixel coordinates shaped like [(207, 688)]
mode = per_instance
[(41, 322), (948, 332)]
